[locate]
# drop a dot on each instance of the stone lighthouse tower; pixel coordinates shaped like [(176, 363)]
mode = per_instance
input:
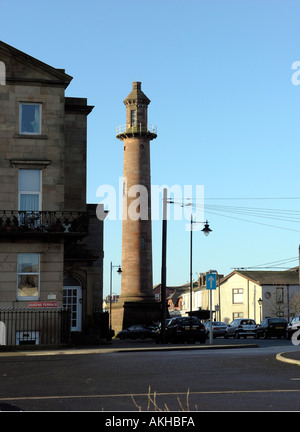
[(136, 304)]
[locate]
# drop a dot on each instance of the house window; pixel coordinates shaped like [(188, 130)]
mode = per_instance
[(30, 118), (238, 315), (279, 295), (29, 190), (28, 276), (237, 296), (133, 118)]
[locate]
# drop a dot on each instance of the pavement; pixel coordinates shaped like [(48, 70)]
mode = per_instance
[(289, 357), (119, 346)]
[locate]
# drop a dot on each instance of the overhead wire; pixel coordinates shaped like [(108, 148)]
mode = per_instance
[(259, 212), (272, 264), (292, 216)]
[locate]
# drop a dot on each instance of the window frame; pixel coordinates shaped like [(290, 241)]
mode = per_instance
[(238, 293), (27, 192), (237, 315), (38, 273), (133, 118), (279, 294), (21, 105)]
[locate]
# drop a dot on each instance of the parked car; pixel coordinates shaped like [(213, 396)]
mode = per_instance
[(272, 327), (293, 326), (184, 329), (137, 331), (241, 327), (218, 328)]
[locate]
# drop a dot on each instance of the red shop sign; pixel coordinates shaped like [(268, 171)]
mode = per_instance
[(43, 304)]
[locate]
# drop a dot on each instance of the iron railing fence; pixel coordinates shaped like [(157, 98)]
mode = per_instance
[(49, 222), (34, 327)]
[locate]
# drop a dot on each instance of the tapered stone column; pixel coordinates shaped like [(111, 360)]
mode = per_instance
[(137, 303)]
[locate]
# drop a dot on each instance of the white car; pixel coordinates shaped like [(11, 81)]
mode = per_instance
[(218, 328), (241, 327), (293, 326)]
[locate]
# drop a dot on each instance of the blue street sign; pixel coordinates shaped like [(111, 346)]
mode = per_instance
[(211, 281)]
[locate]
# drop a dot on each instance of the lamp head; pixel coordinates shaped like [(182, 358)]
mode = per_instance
[(206, 230), (119, 271)]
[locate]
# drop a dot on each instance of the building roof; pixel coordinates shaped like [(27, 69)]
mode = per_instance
[(174, 296), (39, 71), (136, 94), (261, 277), (182, 288)]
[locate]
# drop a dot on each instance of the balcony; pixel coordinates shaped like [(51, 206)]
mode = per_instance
[(62, 223), (127, 131)]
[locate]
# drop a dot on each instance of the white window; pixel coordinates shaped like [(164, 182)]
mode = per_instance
[(279, 295), (30, 118), (28, 276), (29, 190), (133, 118), (237, 296), (238, 315)]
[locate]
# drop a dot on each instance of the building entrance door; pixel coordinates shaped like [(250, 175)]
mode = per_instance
[(72, 299)]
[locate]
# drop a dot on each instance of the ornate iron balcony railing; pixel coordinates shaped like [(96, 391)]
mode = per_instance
[(48, 222)]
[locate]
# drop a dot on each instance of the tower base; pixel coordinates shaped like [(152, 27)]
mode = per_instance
[(127, 313)]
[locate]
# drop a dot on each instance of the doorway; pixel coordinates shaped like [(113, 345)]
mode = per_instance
[(72, 300)]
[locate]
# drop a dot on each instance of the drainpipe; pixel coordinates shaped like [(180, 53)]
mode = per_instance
[(299, 266), (248, 294)]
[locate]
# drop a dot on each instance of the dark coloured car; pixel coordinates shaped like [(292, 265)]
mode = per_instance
[(185, 329), (218, 328), (137, 331), (272, 327)]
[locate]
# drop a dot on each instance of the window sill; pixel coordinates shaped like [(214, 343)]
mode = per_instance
[(27, 299), (31, 136)]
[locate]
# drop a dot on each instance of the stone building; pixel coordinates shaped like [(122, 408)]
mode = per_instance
[(51, 242)]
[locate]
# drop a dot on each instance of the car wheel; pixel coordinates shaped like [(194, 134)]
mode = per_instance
[(226, 335)]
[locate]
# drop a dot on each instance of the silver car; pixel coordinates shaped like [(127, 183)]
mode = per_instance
[(218, 328), (293, 326), (241, 327)]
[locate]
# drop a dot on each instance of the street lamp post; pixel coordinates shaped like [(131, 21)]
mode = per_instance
[(260, 304), (119, 271), (164, 271), (206, 230)]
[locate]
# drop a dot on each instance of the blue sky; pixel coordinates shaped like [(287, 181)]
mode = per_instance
[(219, 76)]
